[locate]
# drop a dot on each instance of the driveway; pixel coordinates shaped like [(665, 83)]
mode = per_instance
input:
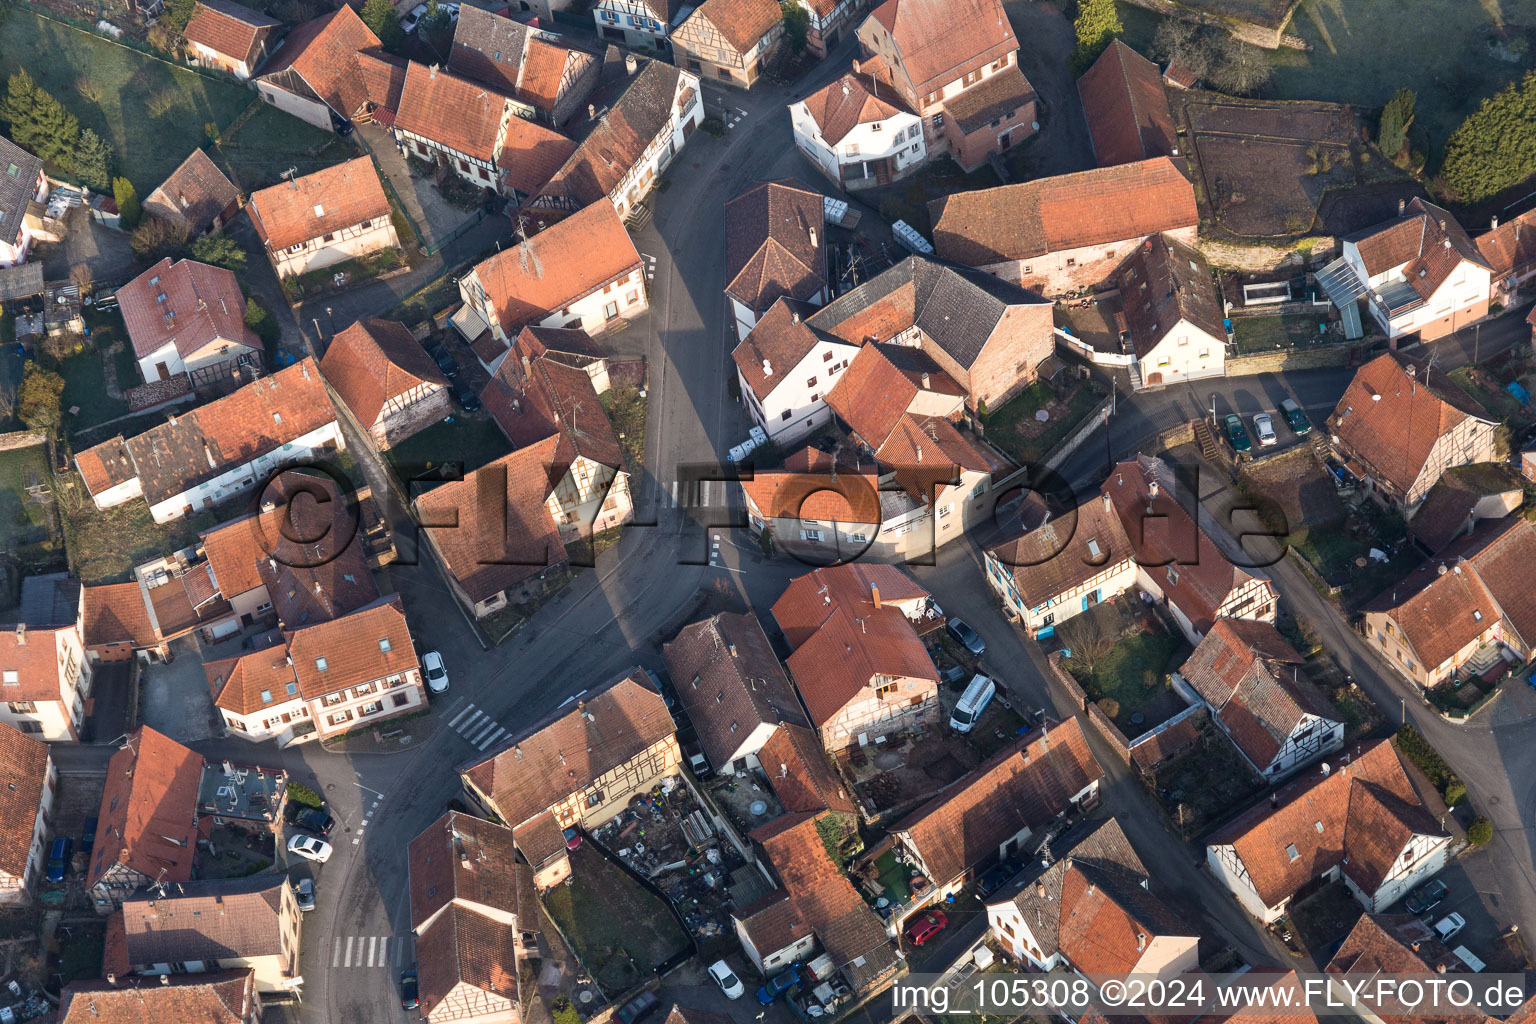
[(433, 216), (175, 698), (105, 251), (1062, 145), (111, 699)]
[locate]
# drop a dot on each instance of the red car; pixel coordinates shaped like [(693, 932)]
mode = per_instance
[(925, 926)]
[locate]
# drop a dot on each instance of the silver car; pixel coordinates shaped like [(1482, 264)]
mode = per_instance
[(1264, 429)]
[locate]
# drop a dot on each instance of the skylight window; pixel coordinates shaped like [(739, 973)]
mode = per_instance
[(266, 696), (1291, 852), (319, 210), (384, 644), (1093, 547), (320, 664)]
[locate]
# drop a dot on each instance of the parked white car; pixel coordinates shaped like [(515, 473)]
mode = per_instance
[(437, 675), (1449, 925), (310, 848), (726, 979), (1264, 427)]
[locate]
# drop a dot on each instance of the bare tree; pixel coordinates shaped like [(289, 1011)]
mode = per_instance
[(1089, 636), (1238, 68), (81, 275)]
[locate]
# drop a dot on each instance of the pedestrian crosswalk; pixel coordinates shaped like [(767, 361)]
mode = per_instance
[(349, 952), (696, 493), (477, 727)]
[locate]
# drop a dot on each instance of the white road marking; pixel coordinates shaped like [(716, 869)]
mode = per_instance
[(348, 962), (490, 727), (471, 723), (453, 723), (336, 955), (496, 738), (354, 842)]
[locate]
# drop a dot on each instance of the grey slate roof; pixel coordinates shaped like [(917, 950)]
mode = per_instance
[(50, 601), (16, 189), (22, 281)]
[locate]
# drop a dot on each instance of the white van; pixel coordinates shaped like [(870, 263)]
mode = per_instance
[(1467, 957), (972, 703)]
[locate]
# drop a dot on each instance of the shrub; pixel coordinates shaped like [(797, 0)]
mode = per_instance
[(1495, 147), (563, 1012), (127, 202), (1455, 792), (1396, 117), (1109, 706), (263, 323), (797, 23), (302, 794), (220, 251), (1428, 760), (37, 400), (1097, 24), (839, 836), (1480, 832)]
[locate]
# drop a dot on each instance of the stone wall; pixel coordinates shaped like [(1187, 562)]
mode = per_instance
[(1258, 258), (21, 439), (1290, 359), (414, 418), (1270, 37)]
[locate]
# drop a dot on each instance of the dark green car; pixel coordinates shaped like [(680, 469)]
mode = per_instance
[(1238, 434), (1295, 417)]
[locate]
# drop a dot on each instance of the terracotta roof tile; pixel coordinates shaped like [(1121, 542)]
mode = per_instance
[(148, 816), (773, 348), (1099, 845), (1018, 222), (517, 59), (316, 204), (775, 243), (331, 54), (801, 775), (811, 489), (249, 683), (941, 40), (1501, 554), (376, 360), (1161, 283), (925, 451), (24, 764), (564, 262), (114, 613), (208, 920), (464, 116), (540, 765), (466, 948), (1510, 247), (496, 541), (742, 23), (773, 922), (1127, 110), (228, 28), (200, 305), (881, 384), (552, 399), (541, 840), (1439, 618), (810, 600), (1404, 945), (844, 655), (1064, 552), (368, 644), (1427, 242), (221, 997), (531, 154), (1364, 805), (33, 654), (1000, 95), (1446, 512), (864, 96), (466, 860), (1107, 921), (196, 193), (729, 682), (1021, 787), (106, 465)]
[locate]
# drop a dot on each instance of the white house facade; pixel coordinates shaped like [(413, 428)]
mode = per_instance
[(794, 406), (238, 479), (43, 690), (634, 23), (1185, 352), (872, 153)]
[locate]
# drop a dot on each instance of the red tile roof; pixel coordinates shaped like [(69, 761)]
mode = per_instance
[(1400, 944), (801, 775), (1164, 282), (201, 305), (463, 859), (570, 259), (775, 243), (811, 488), (489, 542), (466, 948), (515, 58), (221, 997), (1447, 511), (926, 451), (374, 361), (542, 764), (1439, 618), (1107, 923), (210, 920), (461, 115), (1097, 207), (742, 23), (1020, 788), (810, 600), (1501, 554), (1198, 577), (836, 664), (550, 398), (317, 204), (1127, 110), (24, 765), (531, 154), (114, 613), (196, 193), (1426, 242), (941, 40), (880, 385), (248, 683), (863, 96), (33, 654), (228, 28), (729, 682), (1390, 421), (1367, 807), (1510, 247), (772, 349), (338, 59), (368, 644), (148, 816), (1065, 552)]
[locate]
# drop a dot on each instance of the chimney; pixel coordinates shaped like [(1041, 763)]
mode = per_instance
[(925, 380), (874, 596), (794, 317), (631, 65), (111, 978), (592, 110), (1105, 497), (208, 454), (1141, 941), (1152, 488), (1413, 371), (527, 367), (857, 67), (919, 453), (1495, 225), (1402, 207), (732, 649), (165, 979), (813, 238), (432, 71), (21, 634)]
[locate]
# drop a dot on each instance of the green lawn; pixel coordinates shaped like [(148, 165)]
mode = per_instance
[(85, 388), (22, 521), (627, 411), (1131, 674), (152, 113), (1486, 392), (472, 440), (1332, 552), (1014, 429), (270, 142), (620, 931), (1267, 333)]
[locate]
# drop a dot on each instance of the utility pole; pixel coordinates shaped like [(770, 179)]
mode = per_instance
[(1477, 335)]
